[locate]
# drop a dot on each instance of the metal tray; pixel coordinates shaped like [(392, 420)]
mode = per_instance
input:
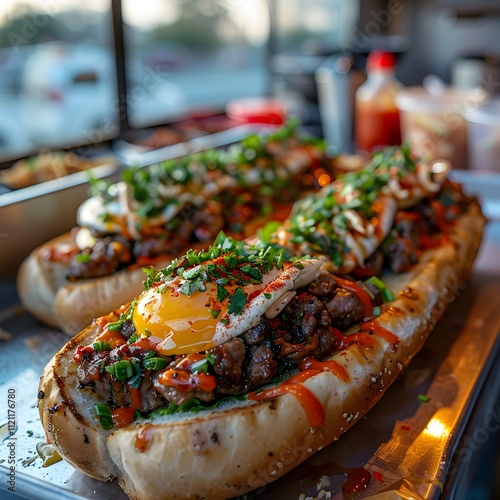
[(35, 214), (407, 445)]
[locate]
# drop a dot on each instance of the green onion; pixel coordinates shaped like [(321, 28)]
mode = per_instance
[(155, 363), (127, 315), (103, 412), (101, 346), (200, 366), (423, 398), (121, 370), (83, 257), (387, 295), (189, 404), (116, 325), (135, 381), (376, 281), (214, 313), (376, 311), (149, 354), (134, 338)]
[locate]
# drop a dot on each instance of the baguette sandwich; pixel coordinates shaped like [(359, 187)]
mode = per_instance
[(238, 362)]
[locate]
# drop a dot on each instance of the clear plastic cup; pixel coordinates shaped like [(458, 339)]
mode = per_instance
[(483, 124), (434, 124)]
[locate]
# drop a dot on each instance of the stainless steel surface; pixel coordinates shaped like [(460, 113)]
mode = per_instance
[(406, 444), (33, 215)]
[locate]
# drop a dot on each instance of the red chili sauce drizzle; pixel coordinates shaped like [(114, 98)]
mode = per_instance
[(310, 367), (144, 437), (180, 378), (314, 410), (361, 294), (124, 415), (380, 331)]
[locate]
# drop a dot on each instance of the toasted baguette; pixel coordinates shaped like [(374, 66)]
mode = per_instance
[(226, 452)]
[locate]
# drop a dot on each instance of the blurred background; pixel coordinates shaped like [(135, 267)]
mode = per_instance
[(71, 73)]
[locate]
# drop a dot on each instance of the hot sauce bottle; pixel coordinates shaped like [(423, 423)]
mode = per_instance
[(376, 120)]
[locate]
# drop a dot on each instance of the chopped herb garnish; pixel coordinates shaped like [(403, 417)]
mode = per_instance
[(423, 398), (387, 295), (222, 293), (126, 316), (121, 370), (200, 366), (104, 413), (155, 363), (237, 301), (83, 257), (101, 346)]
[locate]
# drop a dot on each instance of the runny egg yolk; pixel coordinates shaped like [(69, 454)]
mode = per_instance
[(186, 323)]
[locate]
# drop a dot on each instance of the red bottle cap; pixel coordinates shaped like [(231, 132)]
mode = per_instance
[(378, 59), (257, 110)]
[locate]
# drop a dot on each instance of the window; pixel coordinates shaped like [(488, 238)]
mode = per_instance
[(185, 56), (57, 75)]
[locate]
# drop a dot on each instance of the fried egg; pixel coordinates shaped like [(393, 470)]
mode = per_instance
[(187, 324)]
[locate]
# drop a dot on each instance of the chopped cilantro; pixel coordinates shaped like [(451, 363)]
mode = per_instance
[(237, 301), (222, 293)]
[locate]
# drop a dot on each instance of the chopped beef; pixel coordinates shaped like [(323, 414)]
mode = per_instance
[(375, 263), (119, 395), (374, 293), (208, 222), (150, 399), (177, 396), (107, 256), (295, 351), (345, 309), (156, 246), (88, 369), (401, 251), (327, 343), (407, 227), (302, 313), (305, 327), (323, 285), (261, 365), (229, 358), (400, 255), (257, 333), (127, 329)]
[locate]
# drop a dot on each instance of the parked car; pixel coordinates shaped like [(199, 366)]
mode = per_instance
[(13, 139), (68, 94)]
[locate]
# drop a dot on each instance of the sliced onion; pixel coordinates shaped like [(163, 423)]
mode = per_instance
[(280, 304)]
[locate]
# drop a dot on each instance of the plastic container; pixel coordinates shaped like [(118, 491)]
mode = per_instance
[(433, 123), (376, 121), (483, 132)]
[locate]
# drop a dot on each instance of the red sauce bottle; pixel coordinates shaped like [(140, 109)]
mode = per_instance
[(376, 120)]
